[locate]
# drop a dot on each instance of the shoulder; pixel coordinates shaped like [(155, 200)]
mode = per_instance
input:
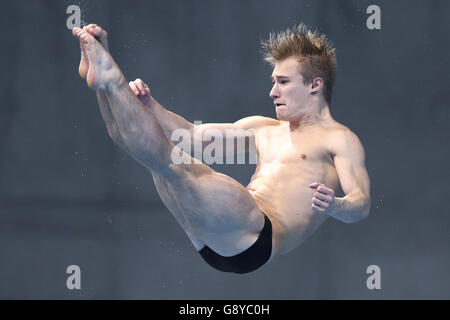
[(255, 122), (342, 140)]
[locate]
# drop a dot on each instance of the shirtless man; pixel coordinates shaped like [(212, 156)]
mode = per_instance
[(236, 228)]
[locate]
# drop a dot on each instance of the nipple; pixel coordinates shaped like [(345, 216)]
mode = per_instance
[(303, 156)]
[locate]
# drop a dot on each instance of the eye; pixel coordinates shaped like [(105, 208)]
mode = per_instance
[(284, 81)]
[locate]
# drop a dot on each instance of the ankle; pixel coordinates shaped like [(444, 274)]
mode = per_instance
[(116, 80)]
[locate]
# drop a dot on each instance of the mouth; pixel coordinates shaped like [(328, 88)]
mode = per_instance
[(279, 104)]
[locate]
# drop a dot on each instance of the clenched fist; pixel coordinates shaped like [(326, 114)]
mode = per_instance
[(323, 201)]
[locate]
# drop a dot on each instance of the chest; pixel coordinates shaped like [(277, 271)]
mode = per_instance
[(282, 147)]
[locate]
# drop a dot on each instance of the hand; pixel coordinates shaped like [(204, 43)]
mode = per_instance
[(141, 90), (323, 201)]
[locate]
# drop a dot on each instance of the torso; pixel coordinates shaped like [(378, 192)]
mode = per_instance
[(287, 163)]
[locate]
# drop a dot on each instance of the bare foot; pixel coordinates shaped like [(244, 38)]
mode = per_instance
[(84, 63), (101, 35), (102, 70)]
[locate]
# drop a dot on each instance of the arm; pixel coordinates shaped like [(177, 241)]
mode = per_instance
[(171, 120), (202, 133), (349, 161), (168, 120), (239, 134)]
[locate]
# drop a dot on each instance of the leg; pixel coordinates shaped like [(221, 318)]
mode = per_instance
[(103, 102), (212, 208), (137, 127)]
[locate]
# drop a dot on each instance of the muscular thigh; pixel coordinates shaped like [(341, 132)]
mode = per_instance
[(211, 207)]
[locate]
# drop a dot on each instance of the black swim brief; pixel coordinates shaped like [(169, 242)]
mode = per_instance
[(249, 260)]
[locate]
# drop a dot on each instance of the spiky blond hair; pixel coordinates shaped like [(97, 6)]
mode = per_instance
[(315, 53)]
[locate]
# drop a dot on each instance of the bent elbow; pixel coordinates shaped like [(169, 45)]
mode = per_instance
[(365, 213), (366, 210), (362, 215)]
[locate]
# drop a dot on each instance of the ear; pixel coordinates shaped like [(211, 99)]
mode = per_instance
[(316, 85)]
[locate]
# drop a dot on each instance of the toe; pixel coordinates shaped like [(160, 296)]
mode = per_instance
[(99, 30), (93, 30), (87, 38), (84, 37), (96, 31)]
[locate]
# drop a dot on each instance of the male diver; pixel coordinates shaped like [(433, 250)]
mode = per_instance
[(305, 157)]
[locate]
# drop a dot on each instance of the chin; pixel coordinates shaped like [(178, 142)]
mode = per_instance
[(281, 115)]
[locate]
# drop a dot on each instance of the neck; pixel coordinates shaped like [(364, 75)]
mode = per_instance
[(316, 115)]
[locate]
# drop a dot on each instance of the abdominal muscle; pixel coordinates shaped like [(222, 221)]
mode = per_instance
[(283, 194)]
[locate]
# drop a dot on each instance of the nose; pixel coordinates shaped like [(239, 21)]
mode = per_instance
[(274, 93)]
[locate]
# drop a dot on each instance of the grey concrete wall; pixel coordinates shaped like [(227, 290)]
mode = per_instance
[(69, 196)]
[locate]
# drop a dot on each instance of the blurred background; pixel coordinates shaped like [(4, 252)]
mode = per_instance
[(69, 196)]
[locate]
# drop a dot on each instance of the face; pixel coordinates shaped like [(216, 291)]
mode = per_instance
[(290, 95)]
